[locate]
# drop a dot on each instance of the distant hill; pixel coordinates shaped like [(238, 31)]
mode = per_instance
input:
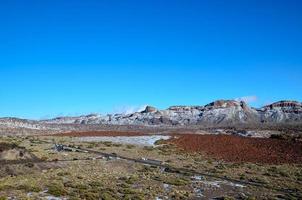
[(218, 112)]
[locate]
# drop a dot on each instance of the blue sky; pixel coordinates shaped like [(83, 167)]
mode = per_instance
[(61, 57)]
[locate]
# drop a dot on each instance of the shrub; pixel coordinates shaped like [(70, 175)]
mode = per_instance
[(106, 196), (147, 148), (63, 173), (28, 188), (89, 196), (159, 142), (107, 143), (130, 146), (56, 189), (176, 181), (95, 184), (29, 165)]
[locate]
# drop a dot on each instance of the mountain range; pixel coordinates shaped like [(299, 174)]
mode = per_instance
[(220, 112)]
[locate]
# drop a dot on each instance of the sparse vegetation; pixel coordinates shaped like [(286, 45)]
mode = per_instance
[(83, 178), (56, 189)]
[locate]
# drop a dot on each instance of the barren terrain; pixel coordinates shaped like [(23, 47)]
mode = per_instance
[(242, 149), (114, 163)]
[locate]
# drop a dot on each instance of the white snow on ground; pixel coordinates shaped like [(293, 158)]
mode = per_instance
[(135, 140), (219, 183)]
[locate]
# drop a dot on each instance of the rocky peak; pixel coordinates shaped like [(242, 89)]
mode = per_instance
[(244, 106), (149, 109), (225, 104), (217, 112)]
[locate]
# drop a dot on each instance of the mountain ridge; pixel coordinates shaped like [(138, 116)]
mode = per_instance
[(220, 112)]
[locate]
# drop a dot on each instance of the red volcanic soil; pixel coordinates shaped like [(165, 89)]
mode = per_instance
[(100, 133), (242, 149)]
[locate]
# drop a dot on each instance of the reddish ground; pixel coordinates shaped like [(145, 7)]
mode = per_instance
[(240, 149), (100, 133)]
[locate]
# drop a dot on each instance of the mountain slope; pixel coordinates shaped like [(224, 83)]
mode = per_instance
[(218, 112)]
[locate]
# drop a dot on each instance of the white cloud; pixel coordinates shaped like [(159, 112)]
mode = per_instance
[(247, 99), (128, 109)]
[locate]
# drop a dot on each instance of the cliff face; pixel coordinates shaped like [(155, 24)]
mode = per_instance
[(282, 111), (217, 112)]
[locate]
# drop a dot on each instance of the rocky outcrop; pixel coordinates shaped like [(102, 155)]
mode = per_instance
[(10, 122), (218, 112), (284, 104), (223, 104), (184, 108), (281, 111), (226, 112), (221, 112), (149, 109)]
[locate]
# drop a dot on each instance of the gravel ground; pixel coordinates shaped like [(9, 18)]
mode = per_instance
[(242, 149)]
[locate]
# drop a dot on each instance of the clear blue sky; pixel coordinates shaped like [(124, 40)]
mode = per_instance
[(76, 57)]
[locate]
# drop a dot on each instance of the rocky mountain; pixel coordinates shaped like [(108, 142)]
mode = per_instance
[(221, 112), (218, 112), (282, 111), (11, 122)]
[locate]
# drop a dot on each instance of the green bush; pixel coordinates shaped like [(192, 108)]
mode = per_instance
[(28, 188), (95, 184), (90, 196), (56, 189), (107, 196), (176, 181)]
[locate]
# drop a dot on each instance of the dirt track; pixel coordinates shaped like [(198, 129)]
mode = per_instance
[(240, 149)]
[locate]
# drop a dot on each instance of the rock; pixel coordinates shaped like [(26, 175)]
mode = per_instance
[(223, 104), (149, 109), (184, 108), (284, 104), (282, 111), (222, 112)]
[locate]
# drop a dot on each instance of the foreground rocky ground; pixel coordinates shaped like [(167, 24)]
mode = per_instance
[(31, 169)]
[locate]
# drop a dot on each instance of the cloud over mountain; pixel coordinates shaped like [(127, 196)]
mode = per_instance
[(129, 109), (247, 99)]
